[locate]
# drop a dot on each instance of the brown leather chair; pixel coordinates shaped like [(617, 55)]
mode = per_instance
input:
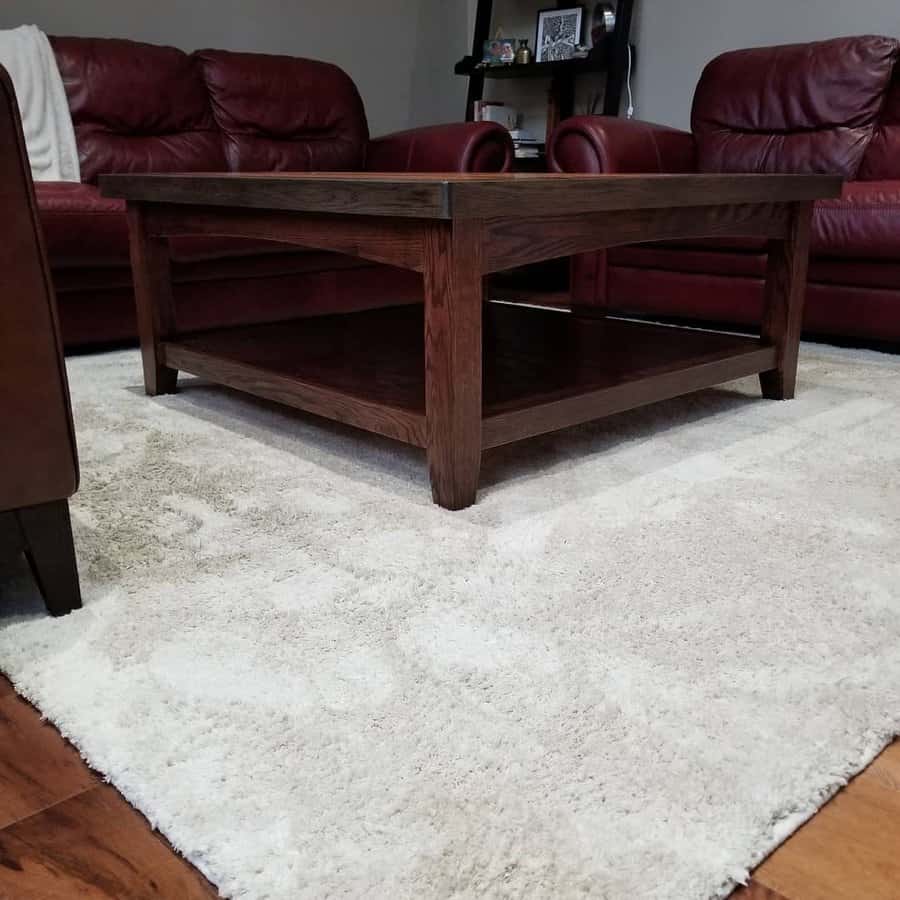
[(38, 459)]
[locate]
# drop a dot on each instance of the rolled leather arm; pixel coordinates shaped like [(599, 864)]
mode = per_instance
[(607, 145), (457, 147)]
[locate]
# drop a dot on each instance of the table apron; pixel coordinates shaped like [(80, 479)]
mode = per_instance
[(509, 241), (517, 240), (391, 240)]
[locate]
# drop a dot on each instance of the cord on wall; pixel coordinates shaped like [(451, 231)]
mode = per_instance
[(629, 113)]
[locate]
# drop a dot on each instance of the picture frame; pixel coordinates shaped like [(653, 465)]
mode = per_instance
[(499, 52), (558, 33)]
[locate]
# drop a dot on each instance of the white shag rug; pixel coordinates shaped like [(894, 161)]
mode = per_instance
[(652, 649)]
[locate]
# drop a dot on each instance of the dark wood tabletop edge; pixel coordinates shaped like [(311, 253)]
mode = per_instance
[(484, 199), (410, 198), (445, 196)]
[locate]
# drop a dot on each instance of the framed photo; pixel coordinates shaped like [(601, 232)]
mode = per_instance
[(558, 33), (499, 52)]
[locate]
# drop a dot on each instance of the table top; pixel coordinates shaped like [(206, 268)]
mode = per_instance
[(456, 196)]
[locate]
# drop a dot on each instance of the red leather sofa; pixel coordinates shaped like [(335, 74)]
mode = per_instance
[(832, 106), (144, 108)]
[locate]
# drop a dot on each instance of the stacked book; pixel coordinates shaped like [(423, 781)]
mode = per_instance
[(526, 145)]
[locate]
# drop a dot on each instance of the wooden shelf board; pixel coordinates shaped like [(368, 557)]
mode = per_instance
[(543, 369), (541, 69)]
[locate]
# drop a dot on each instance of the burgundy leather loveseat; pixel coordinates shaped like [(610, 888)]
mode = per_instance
[(144, 108), (833, 107)]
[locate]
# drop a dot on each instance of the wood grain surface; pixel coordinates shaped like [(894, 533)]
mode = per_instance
[(93, 846), (394, 241), (37, 767), (453, 360), (530, 237), (151, 269), (850, 850), (64, 834), (785, 292), (217, 357), (452, 195), (542, 369)]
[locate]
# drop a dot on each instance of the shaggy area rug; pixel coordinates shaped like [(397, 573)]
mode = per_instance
[(652, 649)]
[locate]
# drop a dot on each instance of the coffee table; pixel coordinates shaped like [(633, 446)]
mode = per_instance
[(456, 375)]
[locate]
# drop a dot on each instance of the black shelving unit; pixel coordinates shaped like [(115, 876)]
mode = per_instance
[(610, 57), (572, 67)]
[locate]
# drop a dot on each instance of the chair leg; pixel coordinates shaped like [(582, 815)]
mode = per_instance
[(47, 531), (11, 545)]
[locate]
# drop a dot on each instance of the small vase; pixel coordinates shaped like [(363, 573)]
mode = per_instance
[(523, 54)]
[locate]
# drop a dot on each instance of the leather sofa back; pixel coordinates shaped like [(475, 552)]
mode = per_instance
[(279, 112), (801, 108), (38, 462), (137, 108), (882, 159), (146, 108)]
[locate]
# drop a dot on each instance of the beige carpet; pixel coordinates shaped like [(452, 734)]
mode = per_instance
[(651, 650)]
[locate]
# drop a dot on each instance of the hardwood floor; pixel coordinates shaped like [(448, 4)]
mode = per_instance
[(848, 851), (64, 833)]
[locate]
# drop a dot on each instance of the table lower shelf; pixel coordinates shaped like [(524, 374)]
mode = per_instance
[(543, 369)]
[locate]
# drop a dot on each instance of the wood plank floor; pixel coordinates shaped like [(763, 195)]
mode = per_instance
[(65, 834)]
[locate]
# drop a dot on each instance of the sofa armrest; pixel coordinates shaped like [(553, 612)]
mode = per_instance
[(456, 147), (607, 145)]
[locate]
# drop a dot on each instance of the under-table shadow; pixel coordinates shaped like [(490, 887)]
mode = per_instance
[(367, 457)]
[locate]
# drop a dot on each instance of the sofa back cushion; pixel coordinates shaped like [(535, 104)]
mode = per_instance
[(280, 113), (882, 159), (137, 108), (799, 108)]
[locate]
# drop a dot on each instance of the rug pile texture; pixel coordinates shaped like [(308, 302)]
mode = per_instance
[(654, 647)]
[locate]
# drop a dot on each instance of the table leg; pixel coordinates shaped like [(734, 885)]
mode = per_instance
[(453, 372), (783, 313), (152, 273), (588, 276)]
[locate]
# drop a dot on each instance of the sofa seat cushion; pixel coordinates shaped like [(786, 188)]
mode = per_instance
[(700, 261), (83, 229), (883, 274), (694, 256), (863, 223)]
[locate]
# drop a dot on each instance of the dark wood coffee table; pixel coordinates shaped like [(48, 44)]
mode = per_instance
[(457, 376)]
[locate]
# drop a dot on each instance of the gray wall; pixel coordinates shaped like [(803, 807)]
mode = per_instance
[(675, 40), (444, 37), (401, 52), (376, 42)]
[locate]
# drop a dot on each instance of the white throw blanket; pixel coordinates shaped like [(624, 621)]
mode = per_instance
[(27, 55)]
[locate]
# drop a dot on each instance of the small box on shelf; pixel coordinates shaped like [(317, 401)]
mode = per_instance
[(526, 145)]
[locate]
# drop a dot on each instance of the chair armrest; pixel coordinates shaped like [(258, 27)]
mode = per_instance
[(607, 145), (456, 147)]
